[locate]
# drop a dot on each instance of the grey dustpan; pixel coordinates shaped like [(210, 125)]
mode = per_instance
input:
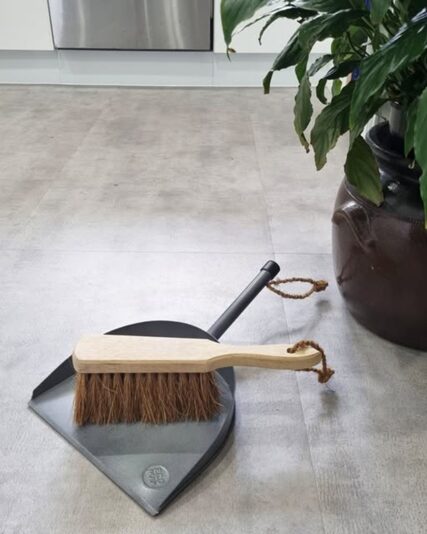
[(151, 463)]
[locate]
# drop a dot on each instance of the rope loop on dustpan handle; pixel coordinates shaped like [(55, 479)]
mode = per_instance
[(316, 287), (325, 372)]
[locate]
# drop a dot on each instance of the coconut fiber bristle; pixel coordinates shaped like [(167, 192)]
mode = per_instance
[(148, 398)]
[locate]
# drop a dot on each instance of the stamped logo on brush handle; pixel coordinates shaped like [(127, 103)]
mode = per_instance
[(156, 476)]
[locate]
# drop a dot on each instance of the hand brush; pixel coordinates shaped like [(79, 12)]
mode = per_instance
[(162, 380)]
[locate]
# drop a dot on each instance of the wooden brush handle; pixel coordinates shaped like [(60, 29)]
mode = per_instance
[(138, 354)]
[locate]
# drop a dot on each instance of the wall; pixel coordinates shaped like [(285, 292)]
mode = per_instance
[(25, 25)]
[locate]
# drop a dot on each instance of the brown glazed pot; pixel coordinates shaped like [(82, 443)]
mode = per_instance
[(380, 253)]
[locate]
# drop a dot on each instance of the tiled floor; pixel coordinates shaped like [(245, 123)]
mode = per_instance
[(122, 205)]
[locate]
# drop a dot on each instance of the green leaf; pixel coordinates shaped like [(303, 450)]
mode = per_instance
[(234, 12), (291, 55), (341, 70), (266, 82), (331, 122), (420, 145), (300, 69), (329, 25), (361, 169), (289, 13), (319, 63), (336, 87), (378, 39), (330, 6), (342, 48), (378, 9), (303, 110), (256, 20), (320, 90), (415, 6), (411, 117), (405, 47), (367, 111)]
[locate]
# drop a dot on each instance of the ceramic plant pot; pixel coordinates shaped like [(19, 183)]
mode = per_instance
[(380, 253)]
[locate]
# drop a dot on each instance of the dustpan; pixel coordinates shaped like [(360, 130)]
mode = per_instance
[(151, 463)]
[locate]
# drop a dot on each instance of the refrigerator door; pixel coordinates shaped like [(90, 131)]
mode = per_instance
[(132, 24)]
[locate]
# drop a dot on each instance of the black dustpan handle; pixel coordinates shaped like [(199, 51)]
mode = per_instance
[(267, 273)]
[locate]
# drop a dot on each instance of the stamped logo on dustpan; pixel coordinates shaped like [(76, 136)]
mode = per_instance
[(155, 476)]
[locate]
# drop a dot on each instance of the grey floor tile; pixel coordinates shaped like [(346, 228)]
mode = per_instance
[(42, 127), (132, 216), (18, 200), (169, 120), (157, 166), (367, 433), (299, 202)]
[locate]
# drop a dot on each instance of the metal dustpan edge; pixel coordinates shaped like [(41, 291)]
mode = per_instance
[(132, 480)]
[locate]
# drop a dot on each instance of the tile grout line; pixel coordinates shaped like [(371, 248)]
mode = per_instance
[(261, 182), (319, 504), (51, 183), (125, 251)]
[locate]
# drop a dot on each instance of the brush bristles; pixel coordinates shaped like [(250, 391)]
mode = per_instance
[(149, 398)]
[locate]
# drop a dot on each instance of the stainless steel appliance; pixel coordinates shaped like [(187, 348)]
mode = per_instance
[(132, 24)]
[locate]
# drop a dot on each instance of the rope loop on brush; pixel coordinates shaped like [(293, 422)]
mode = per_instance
[(316, 287), (323, 374)]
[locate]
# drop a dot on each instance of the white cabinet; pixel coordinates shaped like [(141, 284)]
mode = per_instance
[(25, 25), (273, 40)]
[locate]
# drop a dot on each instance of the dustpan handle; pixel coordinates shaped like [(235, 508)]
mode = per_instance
[(266, 274)]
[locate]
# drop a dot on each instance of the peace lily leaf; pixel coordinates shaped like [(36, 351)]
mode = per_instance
[(415, 6), (362, 171), (319, 63), (303, 110), (406, 46), (411, 117), (342, 49), (378, 9), (378, 39), (329, 25), (366, 113), (320, 90), (266, 82), (255, 21), (289, 13), (330, 124), (420, 145), (301, 68), (341, 70), (291, 55), (234, 12), (330, 6), (336, 87)]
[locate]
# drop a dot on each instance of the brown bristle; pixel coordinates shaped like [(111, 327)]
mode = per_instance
[(148, 398)]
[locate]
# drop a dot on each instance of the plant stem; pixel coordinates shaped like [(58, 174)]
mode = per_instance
[(359, 51)]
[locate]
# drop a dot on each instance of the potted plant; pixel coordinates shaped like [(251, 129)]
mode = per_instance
[(378, 58)]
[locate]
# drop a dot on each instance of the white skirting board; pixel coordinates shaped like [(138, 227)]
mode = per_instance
[(136, 68)]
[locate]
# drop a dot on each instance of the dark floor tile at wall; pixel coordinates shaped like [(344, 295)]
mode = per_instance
[(123, 205)]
